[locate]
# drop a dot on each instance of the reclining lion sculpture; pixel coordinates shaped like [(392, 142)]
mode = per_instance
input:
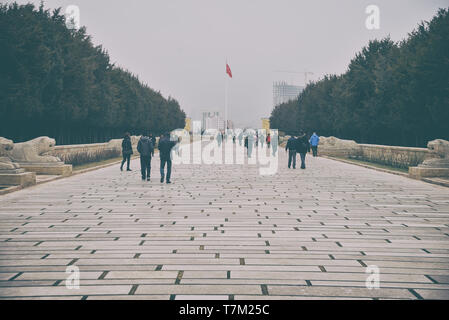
[(6, 146), (117, 143), (33, 151), (337, 143), (332, 146)]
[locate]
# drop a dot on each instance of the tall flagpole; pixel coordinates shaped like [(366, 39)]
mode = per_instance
[(226, 97)]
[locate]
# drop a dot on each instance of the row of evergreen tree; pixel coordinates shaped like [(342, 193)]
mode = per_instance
[(392, 93), (54, 81)]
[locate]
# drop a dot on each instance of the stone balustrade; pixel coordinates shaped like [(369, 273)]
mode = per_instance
[(85, 153), (401, 157), (395, 156), (432, 161)]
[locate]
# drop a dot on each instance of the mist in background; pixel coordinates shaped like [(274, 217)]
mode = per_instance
[(180, 47)]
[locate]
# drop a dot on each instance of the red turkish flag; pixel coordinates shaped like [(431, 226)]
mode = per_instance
[(228, 70)]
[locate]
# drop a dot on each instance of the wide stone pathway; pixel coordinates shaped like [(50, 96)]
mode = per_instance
[(225, 232)]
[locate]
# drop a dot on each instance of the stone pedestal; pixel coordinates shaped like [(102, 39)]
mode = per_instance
[(425, 172), (437, 165), (17, 177), (59, 169)]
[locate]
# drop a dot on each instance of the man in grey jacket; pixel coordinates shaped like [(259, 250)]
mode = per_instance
[(146, 149)]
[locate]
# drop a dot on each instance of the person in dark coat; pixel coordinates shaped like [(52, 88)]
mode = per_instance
[(146, 149), (153, 141), (249, 144), (291, 148), (302, 147), (165, 147), (127, 151)]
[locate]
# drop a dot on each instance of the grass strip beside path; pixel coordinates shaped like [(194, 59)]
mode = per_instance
[(373, 165), (96, 164)]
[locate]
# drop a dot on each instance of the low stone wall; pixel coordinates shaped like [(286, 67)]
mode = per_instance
[(85, 153), (339, 152), (400, 157)]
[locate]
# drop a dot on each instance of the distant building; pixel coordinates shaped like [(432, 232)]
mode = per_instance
[(266, 123), (284, 92), (212, 120), (230, 124)]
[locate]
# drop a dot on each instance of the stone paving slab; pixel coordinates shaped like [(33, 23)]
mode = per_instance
[(225, 232), (129, 297), (434, 294), (53, 275), (340, 292), (199, 289), (285, 297), (44, 298), (201, 297), (62, 291)]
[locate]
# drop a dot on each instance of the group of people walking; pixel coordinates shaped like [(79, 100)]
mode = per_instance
[(250, 139), (301, 145), (254, 140), (147, 144), (145, 147)]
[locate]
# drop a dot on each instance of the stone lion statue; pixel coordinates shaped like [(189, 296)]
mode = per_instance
[(117, 143), (6, 146), (333, 146), (337, 143), (33, 151), (439, 147), (439, 150)]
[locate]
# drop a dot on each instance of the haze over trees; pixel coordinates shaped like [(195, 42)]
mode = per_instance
[(55, 82), (392, 93)]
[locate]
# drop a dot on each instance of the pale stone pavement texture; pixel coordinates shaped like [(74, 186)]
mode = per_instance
[(225, 232)]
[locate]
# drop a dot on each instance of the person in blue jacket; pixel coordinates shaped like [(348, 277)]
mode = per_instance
[(314, 142)]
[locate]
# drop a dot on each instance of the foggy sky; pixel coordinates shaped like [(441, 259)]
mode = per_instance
[(179, 47)]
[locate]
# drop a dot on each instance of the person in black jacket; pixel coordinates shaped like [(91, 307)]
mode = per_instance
[(146, 149), (153, 140), (291, 148), (165, 147), (127, 151), (302, 147)]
